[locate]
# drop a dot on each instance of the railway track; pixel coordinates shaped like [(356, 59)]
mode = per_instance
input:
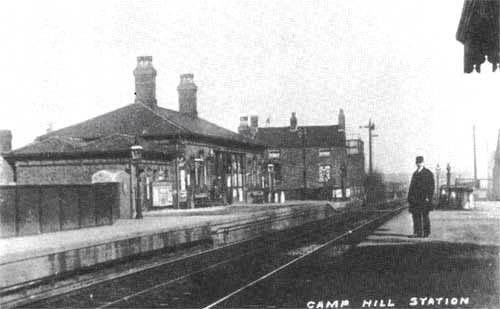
[(210, 276)]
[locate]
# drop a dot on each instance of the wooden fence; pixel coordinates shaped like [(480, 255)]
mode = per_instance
[(34, 209)]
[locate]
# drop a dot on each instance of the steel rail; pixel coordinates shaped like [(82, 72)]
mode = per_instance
[(276, 270), (35, 297), (226, 261), (264, 246)]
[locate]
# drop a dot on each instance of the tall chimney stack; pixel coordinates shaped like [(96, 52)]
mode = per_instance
[(254, 125), (5, 141), (145, 82), (341, 122), (243, 128), (6, 171), (293, 122), (254, 121), (187, 95)]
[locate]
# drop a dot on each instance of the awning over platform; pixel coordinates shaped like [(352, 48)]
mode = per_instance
[(479, 31)]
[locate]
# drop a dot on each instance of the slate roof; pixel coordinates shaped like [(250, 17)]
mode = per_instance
[(316, 136), (133, 119), (116, 131), (139, 120), (60, 146)]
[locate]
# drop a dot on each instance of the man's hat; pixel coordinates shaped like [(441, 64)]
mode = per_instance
[(419, 159)]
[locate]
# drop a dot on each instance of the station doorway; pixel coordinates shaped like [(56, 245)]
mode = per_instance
[(230, 171)]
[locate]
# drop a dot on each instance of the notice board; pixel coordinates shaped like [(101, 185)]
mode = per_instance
[(162, 194)]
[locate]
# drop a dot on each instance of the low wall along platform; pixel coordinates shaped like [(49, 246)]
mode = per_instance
[(34, 209), (127, 238)]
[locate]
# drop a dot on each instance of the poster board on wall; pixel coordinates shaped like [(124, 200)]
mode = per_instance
[(162, 194)]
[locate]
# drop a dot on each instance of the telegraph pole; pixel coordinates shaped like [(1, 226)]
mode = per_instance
[(370, 127), (302, 134), (475, 163)]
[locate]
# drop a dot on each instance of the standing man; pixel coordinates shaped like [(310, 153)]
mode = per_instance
[(420, 198)]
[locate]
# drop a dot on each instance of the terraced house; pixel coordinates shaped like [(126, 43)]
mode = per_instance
[(309, 162)]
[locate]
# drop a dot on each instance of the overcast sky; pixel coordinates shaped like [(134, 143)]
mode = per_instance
[(396, 62)]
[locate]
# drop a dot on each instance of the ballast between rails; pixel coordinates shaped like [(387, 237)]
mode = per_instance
[(316, 250), (255, 250), (297, 232)]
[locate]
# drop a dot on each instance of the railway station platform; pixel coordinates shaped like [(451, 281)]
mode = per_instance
[(457, 266), (30, 258)]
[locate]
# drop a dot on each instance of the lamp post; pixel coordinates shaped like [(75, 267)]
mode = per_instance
[(270, 171), (448, 174), (370, 127), (448, 183), (136, 151), (324, 177), (303, 135), (343, 174), (438, 172)]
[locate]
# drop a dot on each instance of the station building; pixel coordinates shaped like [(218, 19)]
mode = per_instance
[(309, 162), (187, 161)]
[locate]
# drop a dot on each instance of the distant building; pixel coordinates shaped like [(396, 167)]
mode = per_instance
[(187, 160), (309, 161), (6, 173), (495, 188), (356, 174)]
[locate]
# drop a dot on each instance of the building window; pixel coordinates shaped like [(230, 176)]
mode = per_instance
[(199, 172), (324, 152), (354, 147), (275, 171), (274, 154), (324, 172)]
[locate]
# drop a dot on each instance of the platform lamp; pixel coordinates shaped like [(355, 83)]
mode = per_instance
[(343, 176), (137, 151), (302, 132), (448, 183), (448, 174), (438, 172)]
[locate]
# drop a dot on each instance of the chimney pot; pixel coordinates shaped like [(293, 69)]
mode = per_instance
[(254, 121), (5, 141), (293, 122), (145, 59), (187, 95), (244, 121), (243, 128), (341, 121), (145, 81)]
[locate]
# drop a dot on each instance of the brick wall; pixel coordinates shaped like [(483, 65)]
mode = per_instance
[(34, 209), (80, 172), (6, 175), (64, 171), (291, 160), (356, 169), (335, 160), (292, 166)]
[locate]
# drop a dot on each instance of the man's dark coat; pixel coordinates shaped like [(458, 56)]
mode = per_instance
[(421, 188)]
